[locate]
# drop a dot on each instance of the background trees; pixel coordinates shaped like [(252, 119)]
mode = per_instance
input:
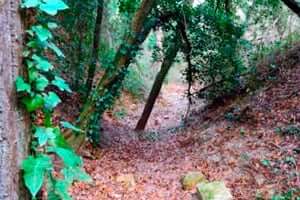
[(102, 41)]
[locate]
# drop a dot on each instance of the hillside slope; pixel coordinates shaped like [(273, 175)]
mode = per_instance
[(251, 143)]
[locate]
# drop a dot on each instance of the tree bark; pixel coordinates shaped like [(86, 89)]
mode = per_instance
[(95, 53), (165, 67), (293, 5), (13, 124)]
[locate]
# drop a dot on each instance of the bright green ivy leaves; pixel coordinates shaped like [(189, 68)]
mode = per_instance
[(36, 95), (50, 7), (35, 169)]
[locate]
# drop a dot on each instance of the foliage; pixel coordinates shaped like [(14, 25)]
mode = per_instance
[(36, 96), (289, 130), (289, 195), (216, 42)]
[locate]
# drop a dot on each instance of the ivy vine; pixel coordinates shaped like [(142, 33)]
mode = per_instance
[(48, 142)]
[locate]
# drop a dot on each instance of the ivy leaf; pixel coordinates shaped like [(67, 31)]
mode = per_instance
[(69, 157), (51, 100), (75, 174), (41, 83), (34, 172), (59, 140), (22, 86), (42, 63), (29, 64), (33, 74), (68, 125), (33, 103), (30, 3), (51, 7), (42, 33), (54, 48), (61, 84), (44, 134)]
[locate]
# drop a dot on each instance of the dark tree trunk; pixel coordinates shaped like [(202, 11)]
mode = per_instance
[(165, 67), (95, 53), (13, 129), (293, 5)]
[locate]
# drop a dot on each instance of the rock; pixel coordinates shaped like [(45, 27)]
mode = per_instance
[(191, 179), (213, 191), (127, 180)]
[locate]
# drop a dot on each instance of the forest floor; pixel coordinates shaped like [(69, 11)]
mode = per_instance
[(238, 143)]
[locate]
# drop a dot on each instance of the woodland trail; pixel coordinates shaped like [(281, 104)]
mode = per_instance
[(247, 155)]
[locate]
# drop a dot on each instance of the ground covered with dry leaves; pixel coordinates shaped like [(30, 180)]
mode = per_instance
[(246, 144)]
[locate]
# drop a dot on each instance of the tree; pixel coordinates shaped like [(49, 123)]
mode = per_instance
[(13, 124), (96, 50), (108, 87), (169, 58)]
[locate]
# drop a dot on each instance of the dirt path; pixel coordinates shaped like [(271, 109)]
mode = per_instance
[(151, 169)]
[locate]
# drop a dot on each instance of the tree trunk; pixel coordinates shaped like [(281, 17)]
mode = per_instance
[(293, 5), (13, 126), (165, 67), (108, 85), (95, 53)]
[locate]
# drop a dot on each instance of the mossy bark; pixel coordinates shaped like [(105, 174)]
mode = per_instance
[(13, 123)]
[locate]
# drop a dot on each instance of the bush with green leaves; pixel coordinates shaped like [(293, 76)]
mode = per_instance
[(216, 37), (48, 143)]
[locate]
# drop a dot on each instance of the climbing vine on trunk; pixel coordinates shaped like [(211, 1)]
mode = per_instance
[(47, 144)]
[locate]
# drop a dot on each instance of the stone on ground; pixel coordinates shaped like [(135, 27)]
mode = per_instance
[(191, 179), (213, 191)]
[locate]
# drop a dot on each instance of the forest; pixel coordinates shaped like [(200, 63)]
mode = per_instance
[(150, 100)]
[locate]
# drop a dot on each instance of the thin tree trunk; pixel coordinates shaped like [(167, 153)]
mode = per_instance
[(165, 67), (95, 53), (294, 5), (13, 126)]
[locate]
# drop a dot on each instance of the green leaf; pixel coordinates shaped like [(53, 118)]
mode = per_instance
[(33, 44), (52, 25), (42, 33), (266, 162), (68, 125), (51, 7), (34, 172), (44, 134), (42, 63), (26, 53), (33, 74), (75, 174), (61, 84), (33, 103), (51, 100), (22, 86), (41, 83), (29, 64), (30, 3), (55, 49), (69, 157), (59, 140)]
